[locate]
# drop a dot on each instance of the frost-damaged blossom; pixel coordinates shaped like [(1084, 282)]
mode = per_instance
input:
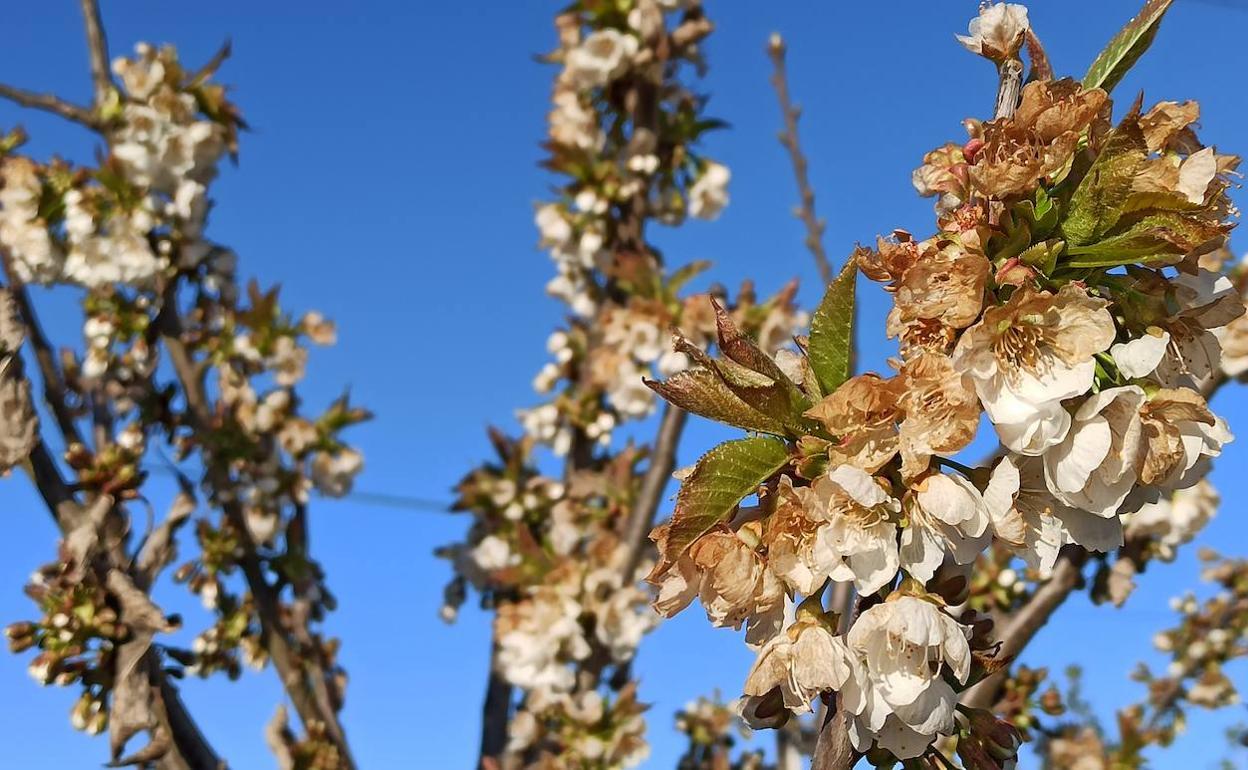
[(1028, 355), (731, 580), (804, 660)]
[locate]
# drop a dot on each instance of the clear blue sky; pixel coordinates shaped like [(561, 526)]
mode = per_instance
[(389, 182)]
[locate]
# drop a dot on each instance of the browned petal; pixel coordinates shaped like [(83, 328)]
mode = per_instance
[(1165, 121), (940, 407), (947, 286), (1054, 108)]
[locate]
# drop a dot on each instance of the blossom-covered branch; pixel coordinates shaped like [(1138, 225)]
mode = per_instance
[(129, 237)]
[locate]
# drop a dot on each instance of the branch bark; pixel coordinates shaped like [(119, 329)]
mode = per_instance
[(662, 463), (495, 714), (97, 50), (789, 138), (50, 103)]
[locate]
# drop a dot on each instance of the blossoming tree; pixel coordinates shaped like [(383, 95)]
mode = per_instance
[(180, 368), (1075, 294), (1076, 299)]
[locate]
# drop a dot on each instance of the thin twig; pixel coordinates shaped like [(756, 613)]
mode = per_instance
[(50, 103), (789, 138), (97, 48)]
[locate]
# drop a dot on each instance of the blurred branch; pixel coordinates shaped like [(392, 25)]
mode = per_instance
[(303, 676), (54, 391), (662, 463), (97, 49), (789, 138), (50, 103)]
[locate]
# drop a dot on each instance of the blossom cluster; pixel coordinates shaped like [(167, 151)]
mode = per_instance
[(177, 355), (548, 553), (1072, 296)]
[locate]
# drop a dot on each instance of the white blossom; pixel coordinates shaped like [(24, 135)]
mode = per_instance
[(709, 194)]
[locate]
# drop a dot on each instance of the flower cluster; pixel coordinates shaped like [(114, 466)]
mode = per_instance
[(553, 555), (1069, 296), (177, 359)]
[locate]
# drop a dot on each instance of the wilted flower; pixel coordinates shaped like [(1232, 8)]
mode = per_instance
[(805, 659)]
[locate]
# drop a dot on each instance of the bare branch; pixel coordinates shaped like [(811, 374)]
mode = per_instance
[(662, 463), (50, 103), (789, 138), (97, 49)]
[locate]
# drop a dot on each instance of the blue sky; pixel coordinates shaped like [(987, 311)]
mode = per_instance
[(389, 182)]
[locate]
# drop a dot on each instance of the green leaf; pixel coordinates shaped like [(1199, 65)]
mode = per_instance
[(1154, 238), (719, 482), (1098, 202), (1127, 46), (831, 349), (704, 392), (678, 279)]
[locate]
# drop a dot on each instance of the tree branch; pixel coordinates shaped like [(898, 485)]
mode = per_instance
[(54, 391), (50, 103), (1030, 618), (662, 463), (495, 714), (299, 673), (97, 49), (789, 138)]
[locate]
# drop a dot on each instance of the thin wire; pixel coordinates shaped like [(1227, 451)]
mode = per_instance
[(377, 499)]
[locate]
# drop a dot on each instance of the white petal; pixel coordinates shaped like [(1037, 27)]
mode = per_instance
[(1139, 357)]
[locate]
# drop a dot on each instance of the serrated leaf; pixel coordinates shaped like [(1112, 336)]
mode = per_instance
[(1150, 237), (832, 331), (704, 392), (719, 482), (1127, 46), (1098, 202)]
